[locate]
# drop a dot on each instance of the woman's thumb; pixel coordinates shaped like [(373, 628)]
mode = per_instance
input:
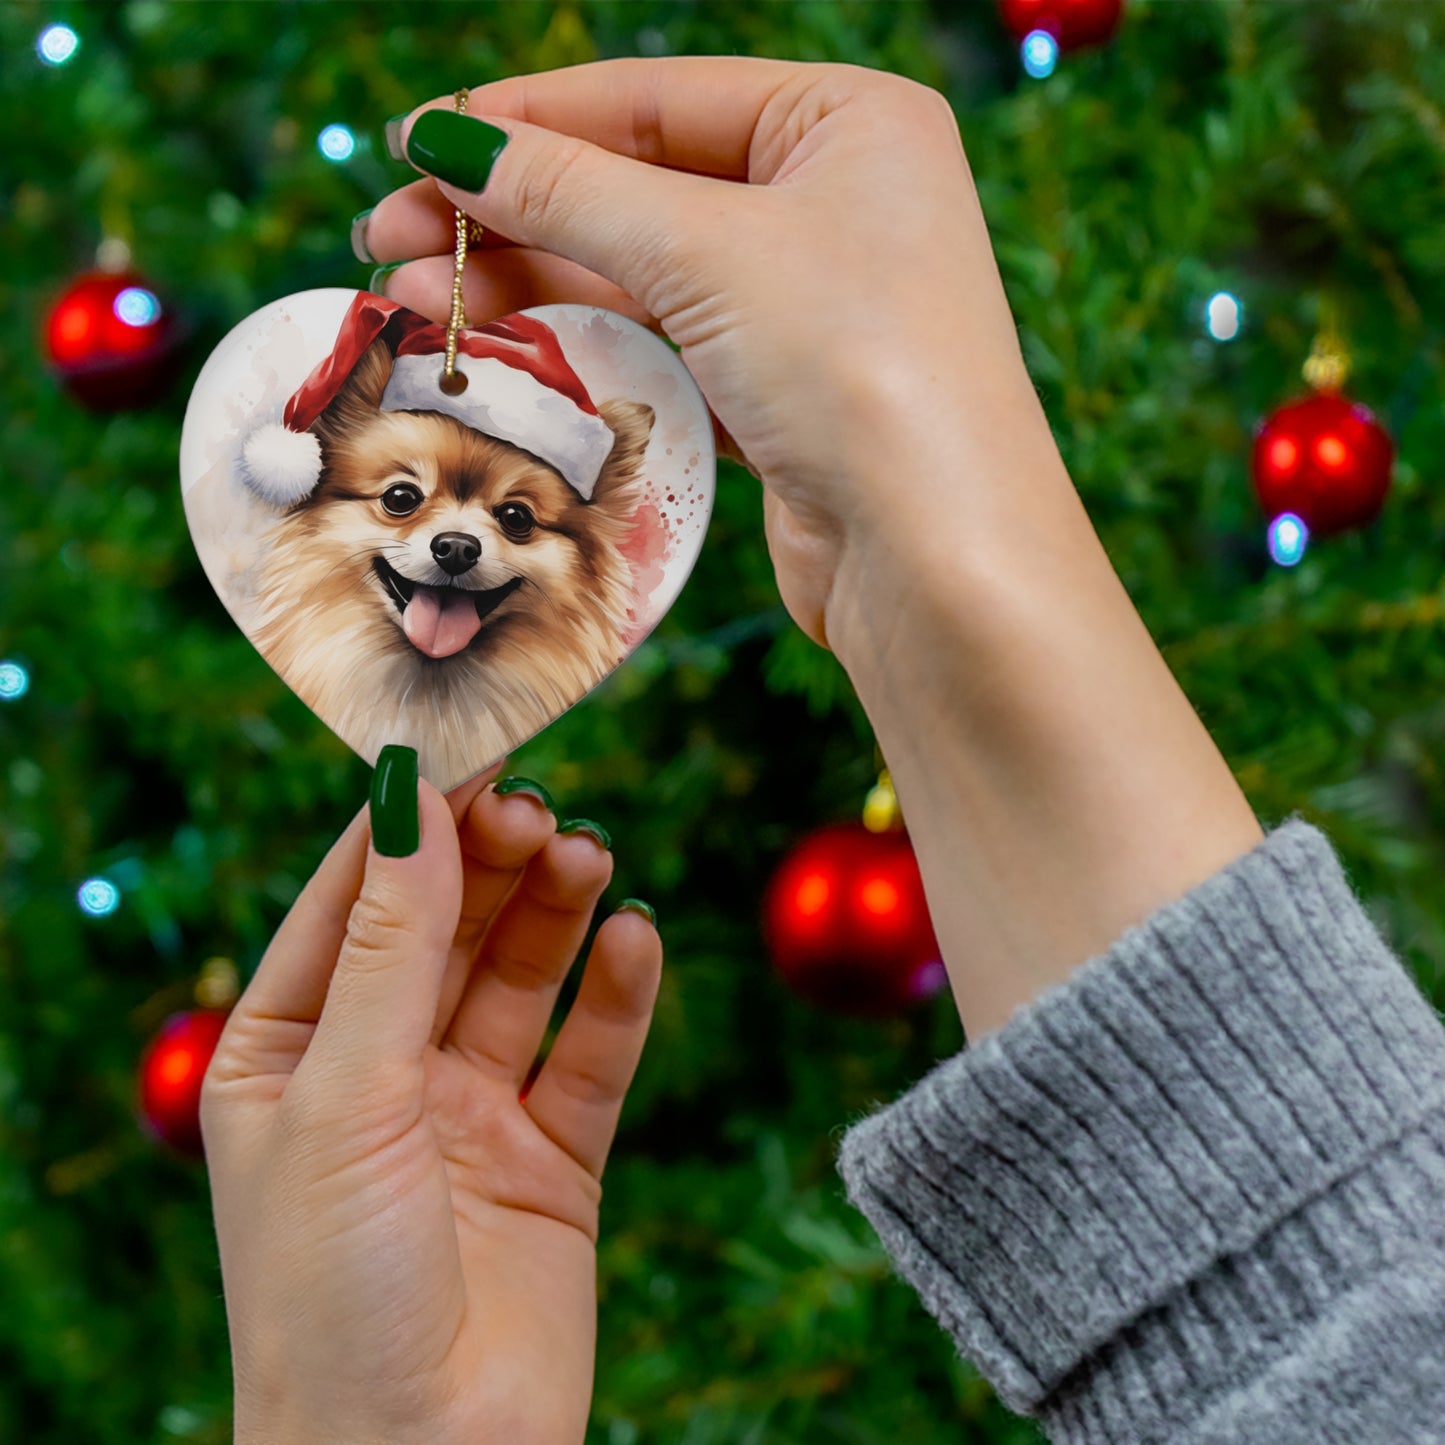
[(623, 219), (382, 999)]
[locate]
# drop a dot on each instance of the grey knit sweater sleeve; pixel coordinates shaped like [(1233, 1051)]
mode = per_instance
[(1197, 1192)]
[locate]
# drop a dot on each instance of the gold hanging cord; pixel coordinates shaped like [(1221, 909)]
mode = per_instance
[(454, 382)]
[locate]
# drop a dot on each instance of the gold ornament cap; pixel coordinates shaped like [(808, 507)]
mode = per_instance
[(881, 813), (1328, 366), (219, 985)]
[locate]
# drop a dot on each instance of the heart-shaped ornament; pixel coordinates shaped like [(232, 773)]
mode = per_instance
[(447, 568)]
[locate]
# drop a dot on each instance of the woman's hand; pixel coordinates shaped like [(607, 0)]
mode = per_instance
[(835, 309), (408, 1247), (810, 237)]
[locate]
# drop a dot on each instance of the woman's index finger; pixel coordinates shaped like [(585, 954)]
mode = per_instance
[(689, 113)]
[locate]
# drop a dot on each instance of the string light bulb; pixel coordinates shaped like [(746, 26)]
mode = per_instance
[(1040, 54), (336, 143), (14, 680), (57, 45), (98, 897), (1223, 316)]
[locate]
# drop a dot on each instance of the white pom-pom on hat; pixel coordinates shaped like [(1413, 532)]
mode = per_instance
[(279, 465)]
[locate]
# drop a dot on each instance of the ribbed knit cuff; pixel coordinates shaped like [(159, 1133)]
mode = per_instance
[(1136, 1188)]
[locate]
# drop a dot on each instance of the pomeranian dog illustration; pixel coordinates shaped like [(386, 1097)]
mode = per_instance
[(441, 584)]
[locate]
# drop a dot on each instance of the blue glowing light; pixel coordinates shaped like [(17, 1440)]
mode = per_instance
[(137, 307), (336, 143), (1288, 538), (1223, 316), (57, 44), (98, 897), (1040, 52), (14, 681)]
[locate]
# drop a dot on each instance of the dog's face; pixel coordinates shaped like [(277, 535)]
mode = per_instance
[(457, 538)]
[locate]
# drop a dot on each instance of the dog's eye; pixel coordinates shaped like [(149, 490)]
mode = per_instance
[(402, 499), (517, 520)]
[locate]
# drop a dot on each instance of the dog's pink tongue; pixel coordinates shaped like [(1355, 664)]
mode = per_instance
[(440, 622)]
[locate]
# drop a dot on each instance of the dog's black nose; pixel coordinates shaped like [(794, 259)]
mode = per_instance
[(456, 552)]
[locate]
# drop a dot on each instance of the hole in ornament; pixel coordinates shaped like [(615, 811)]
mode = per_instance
[(455, 384)]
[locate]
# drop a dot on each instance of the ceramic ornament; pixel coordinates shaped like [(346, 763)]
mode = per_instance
[(446, 562)]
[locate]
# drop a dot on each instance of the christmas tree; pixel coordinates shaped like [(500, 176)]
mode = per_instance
[(1179, 214)]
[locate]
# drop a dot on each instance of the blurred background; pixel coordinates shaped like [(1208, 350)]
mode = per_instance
[(1190, 202)]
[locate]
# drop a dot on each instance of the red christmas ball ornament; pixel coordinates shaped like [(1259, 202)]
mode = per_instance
[(847, 924), (171, 1071), (1326, 459), (112, 342), (1073, 23)]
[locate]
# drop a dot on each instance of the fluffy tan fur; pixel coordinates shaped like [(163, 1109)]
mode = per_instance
[(332, 630)]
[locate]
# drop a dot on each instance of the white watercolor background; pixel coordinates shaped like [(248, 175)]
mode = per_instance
[(253, 372)]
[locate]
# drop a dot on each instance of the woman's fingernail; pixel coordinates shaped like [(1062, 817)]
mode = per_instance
[(455, 148), (525, 785), (359, 248), (636, 905), (377, 284), (395, 817), (586, 825), (393, 136)]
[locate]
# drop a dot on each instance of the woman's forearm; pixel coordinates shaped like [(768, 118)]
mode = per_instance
[(1056, 782)]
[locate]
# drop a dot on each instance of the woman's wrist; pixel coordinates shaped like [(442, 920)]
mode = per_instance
[(1057, 784)]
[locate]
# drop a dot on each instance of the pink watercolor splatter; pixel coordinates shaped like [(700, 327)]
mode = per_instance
[(647, 547)]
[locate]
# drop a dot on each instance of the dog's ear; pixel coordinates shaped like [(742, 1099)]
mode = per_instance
[(359, 398), (631, 426)]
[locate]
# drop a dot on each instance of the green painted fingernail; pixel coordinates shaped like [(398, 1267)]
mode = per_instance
[(586, 825), (392, 132), (359, 248), (455, 148), (526, 785), (377, 284), (636, 905), (395, 816)]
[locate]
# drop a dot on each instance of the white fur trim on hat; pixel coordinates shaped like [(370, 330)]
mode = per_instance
[(280, 465), (512, 405)]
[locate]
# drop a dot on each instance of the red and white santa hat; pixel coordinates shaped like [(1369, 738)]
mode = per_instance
[(520, 389)]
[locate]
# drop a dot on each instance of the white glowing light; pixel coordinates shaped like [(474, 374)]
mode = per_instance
[(14, 681), (98, 897), (137, 307), (57, 44), (336, 143), (1040, 52), (1288, 538), (1223, 316)]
